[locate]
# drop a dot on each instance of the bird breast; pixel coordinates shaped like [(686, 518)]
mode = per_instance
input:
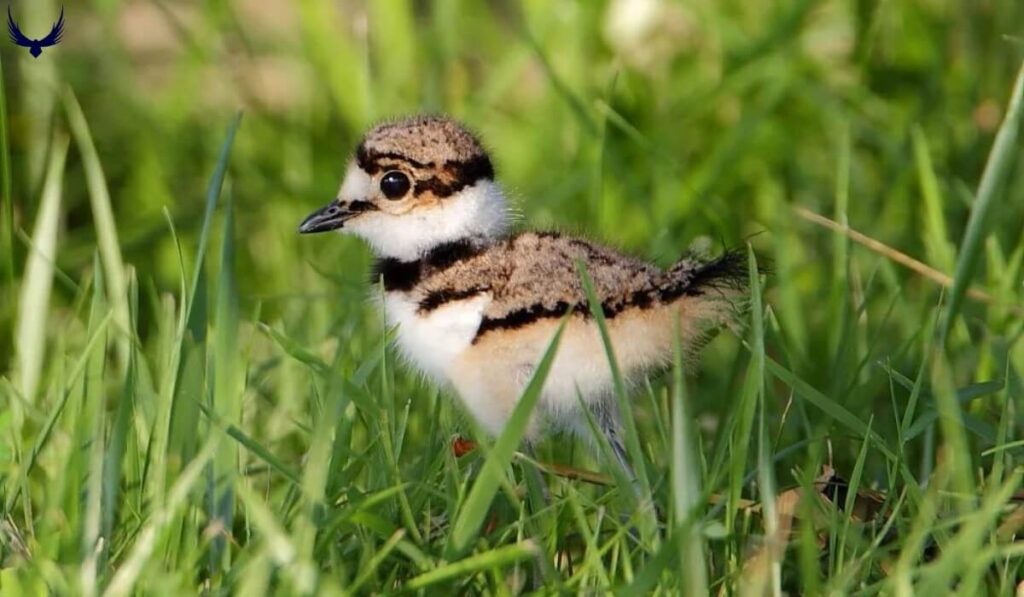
[(433, 340)]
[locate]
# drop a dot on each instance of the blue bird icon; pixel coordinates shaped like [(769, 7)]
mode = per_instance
[(35, 46)]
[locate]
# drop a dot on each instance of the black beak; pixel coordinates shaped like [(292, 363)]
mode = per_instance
[(330, 217)]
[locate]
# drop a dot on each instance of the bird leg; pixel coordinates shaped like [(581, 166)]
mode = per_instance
[(608, 421)]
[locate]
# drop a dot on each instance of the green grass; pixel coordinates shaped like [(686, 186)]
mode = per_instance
[(193, 398)]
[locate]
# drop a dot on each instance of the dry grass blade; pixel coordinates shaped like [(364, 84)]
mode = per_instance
[(569, 472), (757, 570), (829, 493), (900, 257)]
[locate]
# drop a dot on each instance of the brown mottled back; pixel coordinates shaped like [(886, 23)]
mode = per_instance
[(533, 276)]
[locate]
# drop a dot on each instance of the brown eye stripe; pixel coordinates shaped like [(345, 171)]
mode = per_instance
[(451, 177), (457, 175), (361, 206), (370, 161)]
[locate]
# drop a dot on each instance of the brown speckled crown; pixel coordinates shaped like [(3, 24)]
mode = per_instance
[(445, 156)]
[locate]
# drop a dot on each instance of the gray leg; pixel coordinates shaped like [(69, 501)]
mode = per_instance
[(619, 450), (608, 421)]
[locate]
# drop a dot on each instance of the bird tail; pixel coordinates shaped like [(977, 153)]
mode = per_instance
[(715, 294)]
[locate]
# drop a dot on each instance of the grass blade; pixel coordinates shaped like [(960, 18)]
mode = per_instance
[(933, 233), (212, 194), (378, 558), (131, 569), (90, 437), (253, 446), (279, 545), (826, 404), (121, 427), (685, 480), (317, 470), (765, 472), (628, 424), (997, 168), (179, 417), (228, 385), (495, 558), (103, 216), (39, 271), (6, 198)]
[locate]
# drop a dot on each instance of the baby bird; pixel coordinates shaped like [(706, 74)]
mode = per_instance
[(476, 306)]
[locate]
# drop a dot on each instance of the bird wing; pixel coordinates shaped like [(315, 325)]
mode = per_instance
[(16, 35), (53, 38), (535, 275), (542, 278)]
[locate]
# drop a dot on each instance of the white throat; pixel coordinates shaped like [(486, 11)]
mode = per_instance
[(479, 210)]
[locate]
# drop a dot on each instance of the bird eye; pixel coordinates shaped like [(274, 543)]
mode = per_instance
[(394, 185)]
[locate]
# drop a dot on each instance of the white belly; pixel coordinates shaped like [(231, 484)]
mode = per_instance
[(433, 341)]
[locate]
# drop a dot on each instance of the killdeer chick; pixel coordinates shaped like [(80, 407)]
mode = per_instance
[(476, 306)]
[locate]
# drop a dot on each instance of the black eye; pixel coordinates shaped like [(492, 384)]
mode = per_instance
[(394, 185)]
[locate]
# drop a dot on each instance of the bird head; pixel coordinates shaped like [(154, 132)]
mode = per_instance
[(413, 185)]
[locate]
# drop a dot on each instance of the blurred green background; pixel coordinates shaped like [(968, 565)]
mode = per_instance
[(649, 124)]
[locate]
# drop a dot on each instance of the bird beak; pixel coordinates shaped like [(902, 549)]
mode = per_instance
[(330, 217)]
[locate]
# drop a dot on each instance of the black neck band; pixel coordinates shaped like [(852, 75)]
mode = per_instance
[(404, 275)]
